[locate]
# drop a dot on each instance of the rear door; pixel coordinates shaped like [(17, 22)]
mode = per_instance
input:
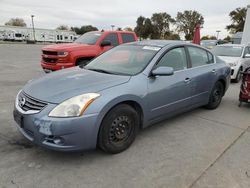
[(204, 74), (170, 94), (127, 37)]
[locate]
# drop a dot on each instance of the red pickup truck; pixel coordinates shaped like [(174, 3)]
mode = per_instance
[(82, 50)]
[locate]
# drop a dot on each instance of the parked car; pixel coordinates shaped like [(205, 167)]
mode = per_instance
[(127, 88), (83, 49), (210, 44), (236, 56)]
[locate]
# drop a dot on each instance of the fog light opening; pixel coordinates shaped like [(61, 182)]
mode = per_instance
[(58, 141)]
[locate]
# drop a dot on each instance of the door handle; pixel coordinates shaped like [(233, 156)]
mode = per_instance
[(214, 71), (187, 80)]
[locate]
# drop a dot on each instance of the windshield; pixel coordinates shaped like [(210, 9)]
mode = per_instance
[(88, 38), (124, 60), (232, 51)]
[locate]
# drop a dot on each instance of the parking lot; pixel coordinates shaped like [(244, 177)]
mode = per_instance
[(201, 148)]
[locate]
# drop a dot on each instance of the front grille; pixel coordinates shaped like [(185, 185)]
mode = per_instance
[(49, 60), (49, 52), (26, 103)]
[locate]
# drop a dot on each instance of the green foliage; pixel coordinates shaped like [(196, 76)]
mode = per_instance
[(161, 24), (16, 22), (238, 18), (158, 27), (128, 29), (187, 21), (84, 29), (228, 38), (62, 27), (207, 37)]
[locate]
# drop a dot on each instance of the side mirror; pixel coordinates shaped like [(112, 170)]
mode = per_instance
[(247, 56), (105, 43), (163, 71)]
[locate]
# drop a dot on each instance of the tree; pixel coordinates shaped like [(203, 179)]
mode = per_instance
[(207, 37), (161, 23), (187, 21), (62, 27), (139, 29), (173, 36), (128, 29), (16, 22), (84, 29), (228, 38), (238, 18)]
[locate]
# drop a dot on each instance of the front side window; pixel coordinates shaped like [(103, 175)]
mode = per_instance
[(199, 57), (175, 58), (113, 38), (127, 37)]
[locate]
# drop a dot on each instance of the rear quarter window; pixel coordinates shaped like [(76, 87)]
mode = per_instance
[(127, 37), (200, 57)]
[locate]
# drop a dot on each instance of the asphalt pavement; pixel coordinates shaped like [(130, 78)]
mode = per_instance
[(198, 149)]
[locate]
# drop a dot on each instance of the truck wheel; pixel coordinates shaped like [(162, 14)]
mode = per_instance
[(118, 129), (215, 96), (82, 62)]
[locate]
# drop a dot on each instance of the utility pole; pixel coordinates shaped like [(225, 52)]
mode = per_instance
[(218, 31), (112, 26), (32, 16)]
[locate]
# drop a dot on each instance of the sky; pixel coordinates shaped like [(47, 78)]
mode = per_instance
[(102, 14)]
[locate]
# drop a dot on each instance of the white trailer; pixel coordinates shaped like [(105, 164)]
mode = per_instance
[(246, 32)]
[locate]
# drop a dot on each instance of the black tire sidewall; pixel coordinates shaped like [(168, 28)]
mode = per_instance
[(211, 104), (103, 138)]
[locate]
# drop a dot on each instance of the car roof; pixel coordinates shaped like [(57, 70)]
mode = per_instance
[(158, 43), (232, 45)]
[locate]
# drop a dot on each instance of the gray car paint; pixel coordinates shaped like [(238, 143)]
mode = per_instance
[(158, 97)]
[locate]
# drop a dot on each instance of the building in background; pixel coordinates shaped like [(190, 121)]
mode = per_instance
[(14, 33), (246, 32)]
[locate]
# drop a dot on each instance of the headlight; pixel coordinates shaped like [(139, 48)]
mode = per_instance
[(62, 54), (233, 64), (74, 106)]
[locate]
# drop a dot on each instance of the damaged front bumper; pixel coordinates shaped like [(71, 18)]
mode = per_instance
[(61, 134)]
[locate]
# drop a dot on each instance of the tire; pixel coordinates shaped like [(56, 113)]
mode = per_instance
[(238, 76), (118, 129), (215, 96), (82, 62)]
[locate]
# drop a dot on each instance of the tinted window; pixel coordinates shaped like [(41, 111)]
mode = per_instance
[(198, 56), (210, 58), (113, 38), (127, 37), (175, 58)]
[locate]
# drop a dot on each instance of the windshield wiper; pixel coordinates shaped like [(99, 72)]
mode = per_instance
[(101, 70)]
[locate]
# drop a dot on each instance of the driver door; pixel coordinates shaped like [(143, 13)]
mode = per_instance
[(170, 94)]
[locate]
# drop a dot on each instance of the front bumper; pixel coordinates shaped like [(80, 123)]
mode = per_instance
[(55, 66), (60, 134)]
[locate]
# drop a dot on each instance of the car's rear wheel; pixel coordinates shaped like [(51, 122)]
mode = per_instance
[(215, 96), (118, 129)]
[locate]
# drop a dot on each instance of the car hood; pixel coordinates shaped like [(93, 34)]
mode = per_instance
[(229, 59), (61, 85), (67, 47)]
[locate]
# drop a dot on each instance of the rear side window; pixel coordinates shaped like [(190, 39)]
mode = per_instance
[(199, 57), (127, 37), (113, 38), (175, 58)]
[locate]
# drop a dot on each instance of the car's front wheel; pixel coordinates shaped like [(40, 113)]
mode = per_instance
[(215, 96), (238, 76), (118, 129)]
